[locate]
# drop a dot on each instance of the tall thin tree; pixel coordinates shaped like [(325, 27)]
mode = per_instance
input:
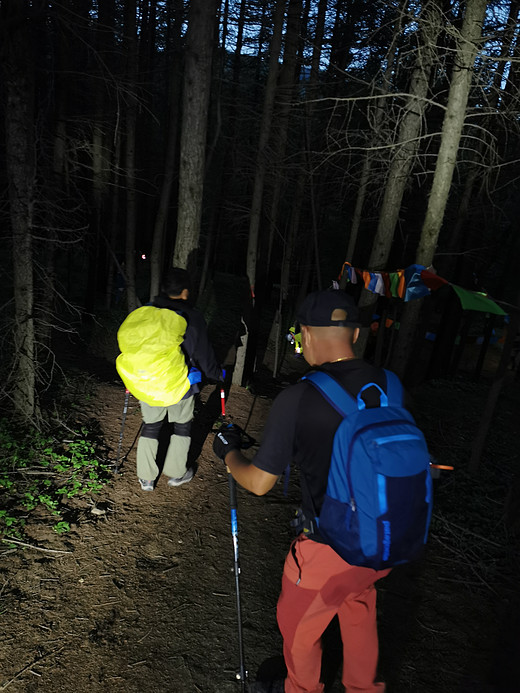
[(17, 65), (195, 103), (461, 79), (258, 186), (130, 154), (404, 154), (170, 157)]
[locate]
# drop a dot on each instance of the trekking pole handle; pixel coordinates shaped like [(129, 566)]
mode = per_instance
[(232, 490)]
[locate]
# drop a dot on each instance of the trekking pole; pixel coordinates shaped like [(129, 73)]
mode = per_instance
[(241, 674), (125, 409)]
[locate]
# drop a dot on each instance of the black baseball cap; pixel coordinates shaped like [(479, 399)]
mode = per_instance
[(330, 308)]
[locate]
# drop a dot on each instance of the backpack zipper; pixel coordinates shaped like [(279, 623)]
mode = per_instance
[(397, 437)]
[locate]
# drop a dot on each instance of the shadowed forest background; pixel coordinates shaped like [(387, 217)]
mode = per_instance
[(269, 140), (262, 145)]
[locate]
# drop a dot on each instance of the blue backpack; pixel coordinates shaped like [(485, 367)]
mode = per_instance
[(378, 503)]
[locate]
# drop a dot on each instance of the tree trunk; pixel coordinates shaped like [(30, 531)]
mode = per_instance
[(130, 156), (18, 75), (467, 47), (380, 112), (114, 266), (265, 132), (95, 247), (452, 126), (161, 220), (404, 154), (195, 103), (238, 47), (276, 337), (111, 146), (453, 265), (285, 98), (258, 189)]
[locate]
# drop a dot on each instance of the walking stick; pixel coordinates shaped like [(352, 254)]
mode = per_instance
[(241, 674), (125, 409)]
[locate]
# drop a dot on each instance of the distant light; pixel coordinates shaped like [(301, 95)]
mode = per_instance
[(143, 257)]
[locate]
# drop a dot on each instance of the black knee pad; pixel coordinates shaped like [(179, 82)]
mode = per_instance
[(151, 430), (182, 429)]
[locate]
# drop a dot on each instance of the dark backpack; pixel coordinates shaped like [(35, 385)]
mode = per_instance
[(378, 503)]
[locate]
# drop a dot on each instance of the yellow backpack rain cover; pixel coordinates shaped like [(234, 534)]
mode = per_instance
[(151, 363)]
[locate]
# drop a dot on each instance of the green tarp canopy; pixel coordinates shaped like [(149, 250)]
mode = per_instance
[(474, 300)]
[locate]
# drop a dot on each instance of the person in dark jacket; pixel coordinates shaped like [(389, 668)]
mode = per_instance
[(200, 356), (317, 583)]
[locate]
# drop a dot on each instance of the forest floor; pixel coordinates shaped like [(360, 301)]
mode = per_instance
[(139, 596)]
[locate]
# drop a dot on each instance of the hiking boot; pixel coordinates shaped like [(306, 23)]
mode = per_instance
[(188, 476), (146, 485)]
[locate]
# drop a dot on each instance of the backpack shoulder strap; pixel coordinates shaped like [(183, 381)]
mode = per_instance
[(342, 401), (394, 389)]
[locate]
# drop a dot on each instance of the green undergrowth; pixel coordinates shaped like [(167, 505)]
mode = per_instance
[(40, 473)]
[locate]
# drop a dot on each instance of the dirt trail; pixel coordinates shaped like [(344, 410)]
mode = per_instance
[(139, 595)]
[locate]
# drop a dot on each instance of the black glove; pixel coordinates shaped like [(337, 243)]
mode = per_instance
[(228, 438)]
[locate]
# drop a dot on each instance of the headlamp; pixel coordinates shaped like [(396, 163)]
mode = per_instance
[(295, 339)]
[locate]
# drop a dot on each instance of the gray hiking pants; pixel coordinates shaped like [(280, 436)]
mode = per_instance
[(177, 454)]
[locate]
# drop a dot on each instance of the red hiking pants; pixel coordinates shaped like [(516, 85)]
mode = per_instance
[(317, 584)]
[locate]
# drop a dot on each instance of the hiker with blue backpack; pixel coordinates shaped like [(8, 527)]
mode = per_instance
[(366, 494), (165, 348)]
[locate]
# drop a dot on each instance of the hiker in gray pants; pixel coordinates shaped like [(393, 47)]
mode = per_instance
[(181, 415), (165, 349)]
